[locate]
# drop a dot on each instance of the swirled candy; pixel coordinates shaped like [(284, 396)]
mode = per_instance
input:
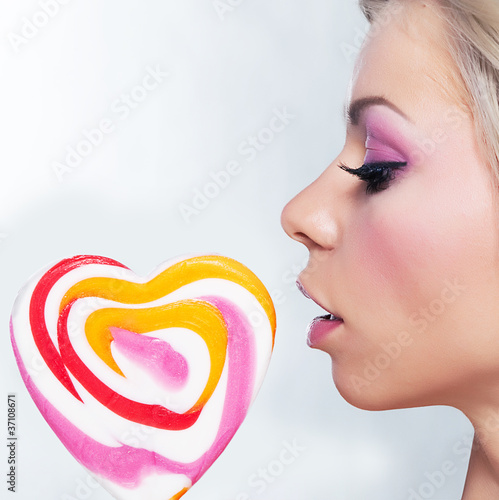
[(145, 381)]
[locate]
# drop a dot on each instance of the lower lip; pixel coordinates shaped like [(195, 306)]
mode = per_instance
[(320, 328)]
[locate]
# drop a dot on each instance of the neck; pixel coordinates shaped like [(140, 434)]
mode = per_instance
[(482, 480)]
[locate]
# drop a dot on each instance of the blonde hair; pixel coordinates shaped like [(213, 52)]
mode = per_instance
[(474, 43)]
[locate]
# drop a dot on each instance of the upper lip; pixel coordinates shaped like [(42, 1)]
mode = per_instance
[(305, 292)]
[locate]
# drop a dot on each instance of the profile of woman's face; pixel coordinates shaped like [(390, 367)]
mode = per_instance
[(409, 264)]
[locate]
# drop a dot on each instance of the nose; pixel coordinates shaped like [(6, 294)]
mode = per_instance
[(312, 216)]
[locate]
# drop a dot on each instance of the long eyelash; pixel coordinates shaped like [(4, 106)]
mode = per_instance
[(378, 175)]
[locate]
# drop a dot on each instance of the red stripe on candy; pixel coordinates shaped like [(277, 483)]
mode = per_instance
[(41, 335), (151, 415)]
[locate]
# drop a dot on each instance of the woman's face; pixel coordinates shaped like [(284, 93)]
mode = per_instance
[(413, 268)]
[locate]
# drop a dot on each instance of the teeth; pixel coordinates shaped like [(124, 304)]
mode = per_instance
[(331, 317)]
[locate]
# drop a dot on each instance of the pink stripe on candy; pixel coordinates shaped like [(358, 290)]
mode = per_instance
[(155, 355), (126, 465), (241, 377)]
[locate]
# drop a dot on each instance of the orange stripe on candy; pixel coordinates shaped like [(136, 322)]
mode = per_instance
[(180, 494), (176, 276), (196, 315)]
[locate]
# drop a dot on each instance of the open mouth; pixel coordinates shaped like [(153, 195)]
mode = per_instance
[(329, 316), (321, 329)]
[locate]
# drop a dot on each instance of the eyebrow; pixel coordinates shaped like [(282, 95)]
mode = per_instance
[(356, 107)]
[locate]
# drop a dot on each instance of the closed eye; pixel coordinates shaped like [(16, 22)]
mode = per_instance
[(377, 175)]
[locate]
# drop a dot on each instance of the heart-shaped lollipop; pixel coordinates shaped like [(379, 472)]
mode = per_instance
[(145, 381)]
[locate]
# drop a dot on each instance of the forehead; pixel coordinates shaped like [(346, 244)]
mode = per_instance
[(405, 59)]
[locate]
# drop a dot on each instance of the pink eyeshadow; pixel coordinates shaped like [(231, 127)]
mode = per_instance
[(377, 151), (387, 135)]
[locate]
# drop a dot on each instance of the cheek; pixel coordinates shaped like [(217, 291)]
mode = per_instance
[(404, 248), (424, 257), (395, 253), (429, 229)]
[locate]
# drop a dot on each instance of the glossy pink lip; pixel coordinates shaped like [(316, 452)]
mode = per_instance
[(321, 326), (305, 292), (303, 289)]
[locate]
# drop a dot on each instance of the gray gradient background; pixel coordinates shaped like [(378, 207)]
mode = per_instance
[(226, 77)]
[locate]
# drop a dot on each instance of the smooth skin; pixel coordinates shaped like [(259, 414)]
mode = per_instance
[(417, 264)]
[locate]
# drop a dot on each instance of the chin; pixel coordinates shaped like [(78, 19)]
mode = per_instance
[(373, 396)]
